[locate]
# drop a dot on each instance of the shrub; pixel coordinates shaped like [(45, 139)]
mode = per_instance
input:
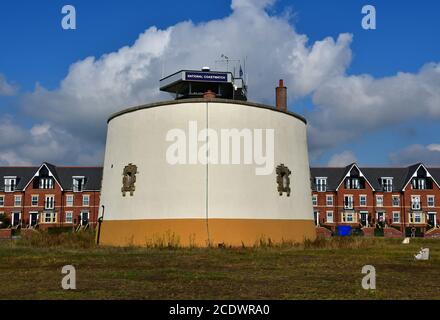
[(74, 240), (4, 221)]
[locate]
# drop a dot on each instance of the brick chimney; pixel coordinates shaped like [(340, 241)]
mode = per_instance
[(209, 95), (281, 96)]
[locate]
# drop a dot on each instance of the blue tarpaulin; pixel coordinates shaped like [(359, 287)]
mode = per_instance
[(344, 231)]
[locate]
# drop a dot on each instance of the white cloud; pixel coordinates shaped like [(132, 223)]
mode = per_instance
[(342, 159), (416, 153), (6, 89), (347, 106), (96, 87), (350, 106), (43, 142)]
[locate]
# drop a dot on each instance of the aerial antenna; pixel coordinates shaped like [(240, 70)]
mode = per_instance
[(225, 59)]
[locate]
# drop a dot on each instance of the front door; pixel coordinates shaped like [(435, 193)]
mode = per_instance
[(34, 218), (364, 219), (316, 216), (381, 219), (432, 219), (84, 218), (16, 218)]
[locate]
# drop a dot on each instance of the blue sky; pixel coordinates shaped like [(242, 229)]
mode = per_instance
[(35, 49)]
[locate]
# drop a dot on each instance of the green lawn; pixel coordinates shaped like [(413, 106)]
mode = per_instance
[(323, 270)]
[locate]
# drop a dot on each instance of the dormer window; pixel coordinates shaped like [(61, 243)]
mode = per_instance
[(354, 183), (387, 184), (321, 184), (43, 179), (78, 184), (419, 183), (10, 184), (45, 183)]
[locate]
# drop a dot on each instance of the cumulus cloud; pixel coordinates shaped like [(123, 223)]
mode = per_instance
[(96, 87), (342, 159), (350, 106), (6, 89), (73, 116), (415, 153), (44, 142)]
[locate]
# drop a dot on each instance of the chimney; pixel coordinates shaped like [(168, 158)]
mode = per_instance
[(209, 95), (281, 96)]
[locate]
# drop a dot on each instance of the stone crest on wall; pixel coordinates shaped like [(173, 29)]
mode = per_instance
[(129, 179), (283, 179)]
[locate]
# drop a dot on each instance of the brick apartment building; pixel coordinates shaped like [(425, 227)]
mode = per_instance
[(50, 196), (403, 201)]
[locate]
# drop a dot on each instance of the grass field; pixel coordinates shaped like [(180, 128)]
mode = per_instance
[(325, 269)]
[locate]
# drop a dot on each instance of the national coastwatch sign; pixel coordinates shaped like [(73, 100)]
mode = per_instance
[(206, 76)]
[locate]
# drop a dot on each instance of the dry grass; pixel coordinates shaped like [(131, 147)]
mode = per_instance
[(71, 240), (321, 269)]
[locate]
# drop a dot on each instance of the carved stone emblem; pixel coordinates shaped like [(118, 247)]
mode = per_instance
[(283, 179), (129, 179)]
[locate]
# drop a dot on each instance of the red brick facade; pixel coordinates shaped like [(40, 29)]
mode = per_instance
[(377, 208), (53, 206)]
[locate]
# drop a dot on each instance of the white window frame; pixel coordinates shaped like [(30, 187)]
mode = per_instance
[(418, 215), (314, 200), (350, 196), (46, 202), (68, 214), (398, 201), (69, 203), (10, 187), (327, 197), (2, 203), (52, 218), (360, 201), (394, 216), (46, 183), (433, 201), (345, 216), (329, 214), (32, 200), (86, 203), (19, 202), (381, 202), (75, 187), (386, 183), (419, 206), (321, 187)]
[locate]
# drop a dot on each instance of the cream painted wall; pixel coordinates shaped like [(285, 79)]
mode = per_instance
[(179, 191), (235, 191), (162, 190)]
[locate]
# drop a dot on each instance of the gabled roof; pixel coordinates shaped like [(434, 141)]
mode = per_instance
[(375, 174), (52, 170), (23, 174), (401, 175), (93, 177), (412, 170), (62, 175), (333, 175), (347, 172)]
